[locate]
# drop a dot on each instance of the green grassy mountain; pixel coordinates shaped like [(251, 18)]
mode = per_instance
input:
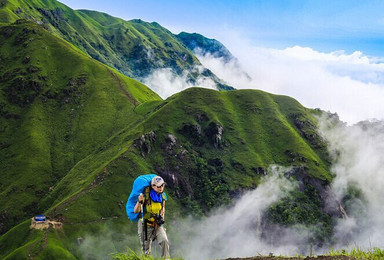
[(52, 95), (203, 46), (135, 48), (75, 133)]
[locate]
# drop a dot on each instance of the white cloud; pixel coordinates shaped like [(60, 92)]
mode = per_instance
[(360, 162), (166, 82), (236, 231), (350, 84)]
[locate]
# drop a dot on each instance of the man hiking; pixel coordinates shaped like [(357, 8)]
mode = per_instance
[(151, 204)]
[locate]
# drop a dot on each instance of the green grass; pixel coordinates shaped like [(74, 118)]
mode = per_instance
[(133, 47), (115, 163), (62, 122), (131, 255), (371, 254), (84, 162)]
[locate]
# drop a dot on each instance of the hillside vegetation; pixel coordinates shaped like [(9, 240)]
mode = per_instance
[(75, 133), (52, 98), (135, 48)]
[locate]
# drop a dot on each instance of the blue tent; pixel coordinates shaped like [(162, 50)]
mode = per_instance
[(40, 218)]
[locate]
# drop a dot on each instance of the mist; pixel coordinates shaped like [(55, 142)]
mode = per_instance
[(359, 181), (237, 231), (165, 82), (352, 85), (107, 241)]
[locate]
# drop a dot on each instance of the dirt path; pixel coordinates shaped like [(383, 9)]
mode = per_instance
[(123, 90), (36, 247)]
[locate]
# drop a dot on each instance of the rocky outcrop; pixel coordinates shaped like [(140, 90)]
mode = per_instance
[(144, 143), (194, 133), (3, 3), (215, 133), (201, 133), (18, 10), (169, 144), (330, 204), (294, 156), (4, 221), (180, 186), (260, 171), (308, 130), (26, 60), (54, 16), (191, 130), (23, 91), (201, 117)]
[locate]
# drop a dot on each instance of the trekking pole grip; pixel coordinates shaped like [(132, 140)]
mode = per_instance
[(141, 207)]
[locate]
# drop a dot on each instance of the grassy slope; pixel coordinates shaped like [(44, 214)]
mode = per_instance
[(133, 47), (68, 126), (256, 124), (54, 117), (246, 139), (258, 128)]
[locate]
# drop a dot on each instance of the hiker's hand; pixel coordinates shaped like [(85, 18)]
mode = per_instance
[(141, 198)]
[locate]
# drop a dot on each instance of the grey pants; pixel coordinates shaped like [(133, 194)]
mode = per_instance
[(153, 234)]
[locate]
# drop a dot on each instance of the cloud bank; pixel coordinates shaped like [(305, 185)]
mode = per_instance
[(165, 82), (359, 170), (351, 85), (237, 231)]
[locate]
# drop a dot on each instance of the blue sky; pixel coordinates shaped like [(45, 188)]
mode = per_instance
[(325, 25)]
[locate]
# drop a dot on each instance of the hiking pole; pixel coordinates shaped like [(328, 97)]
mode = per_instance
[(141, 208), (143, 228)]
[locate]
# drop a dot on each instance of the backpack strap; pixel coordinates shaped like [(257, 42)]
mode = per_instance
[(147, 198)]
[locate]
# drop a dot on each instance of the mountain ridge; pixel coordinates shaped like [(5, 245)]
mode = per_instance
[(197, 42), (147, 46), (75, 134), (41, 93)]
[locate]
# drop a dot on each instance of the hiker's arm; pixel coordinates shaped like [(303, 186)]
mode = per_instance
[(137, 208), (162, 212)]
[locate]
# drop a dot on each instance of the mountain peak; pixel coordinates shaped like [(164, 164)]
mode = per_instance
[(203, 45)]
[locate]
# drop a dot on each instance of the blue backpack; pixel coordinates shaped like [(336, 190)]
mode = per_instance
[(139, 186)]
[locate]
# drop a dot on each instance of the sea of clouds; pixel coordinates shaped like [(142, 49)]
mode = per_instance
[(360, 163), (236, 231), (350, 84)]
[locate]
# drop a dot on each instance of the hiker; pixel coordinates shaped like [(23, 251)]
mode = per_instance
[(150, 227)]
